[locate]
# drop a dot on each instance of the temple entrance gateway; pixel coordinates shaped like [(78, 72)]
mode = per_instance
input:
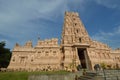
[(82, 57)]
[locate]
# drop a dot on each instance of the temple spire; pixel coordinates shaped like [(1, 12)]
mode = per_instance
[(74, 30)]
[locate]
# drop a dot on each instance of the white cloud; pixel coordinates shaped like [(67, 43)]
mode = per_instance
[(111, 38), (18, 17), (16, 13), (117, 30), (21, 10), (109, 3)]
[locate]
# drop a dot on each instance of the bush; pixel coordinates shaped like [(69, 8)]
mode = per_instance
[(103, 65)]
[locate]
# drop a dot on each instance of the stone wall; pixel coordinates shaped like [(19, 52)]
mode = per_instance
[(44, 56), (70, 76)]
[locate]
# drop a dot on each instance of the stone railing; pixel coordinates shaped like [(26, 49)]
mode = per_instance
[(109, 74)]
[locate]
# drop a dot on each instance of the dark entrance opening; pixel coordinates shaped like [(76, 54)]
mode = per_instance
[(81, 54)]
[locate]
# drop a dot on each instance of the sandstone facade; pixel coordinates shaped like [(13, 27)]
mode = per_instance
[(76, 48)]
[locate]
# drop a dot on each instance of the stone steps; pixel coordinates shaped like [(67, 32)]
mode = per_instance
[(104, 75), (85, 78), (88, 76)]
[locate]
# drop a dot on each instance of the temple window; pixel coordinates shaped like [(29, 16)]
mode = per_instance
[(74, 18), (80, 40), (75, 24), (50, 50), (54, 53), (77, 30), (39, 52), (31, 60), (46, 53), (22, 59), (13, 59)]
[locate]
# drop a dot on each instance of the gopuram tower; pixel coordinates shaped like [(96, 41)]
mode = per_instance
[(79, 49), (75, 41)]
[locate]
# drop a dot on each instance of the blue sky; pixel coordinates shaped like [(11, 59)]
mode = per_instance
[(23, 20)]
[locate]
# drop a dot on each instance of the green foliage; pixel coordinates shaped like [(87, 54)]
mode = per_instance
[(13, 76), (25, 75), (84, 72), (103, 65), (5, 55)]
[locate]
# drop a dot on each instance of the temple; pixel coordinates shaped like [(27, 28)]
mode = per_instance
[(76, 48)]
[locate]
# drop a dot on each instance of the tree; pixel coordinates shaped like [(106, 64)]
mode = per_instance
[(5, 55)]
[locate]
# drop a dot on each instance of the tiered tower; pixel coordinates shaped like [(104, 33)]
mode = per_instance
[(75, 40), (74, 31)]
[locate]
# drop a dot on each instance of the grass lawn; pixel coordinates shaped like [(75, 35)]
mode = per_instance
[(24, 75)]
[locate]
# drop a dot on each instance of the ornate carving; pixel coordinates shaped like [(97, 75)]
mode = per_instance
[(49, 55)]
